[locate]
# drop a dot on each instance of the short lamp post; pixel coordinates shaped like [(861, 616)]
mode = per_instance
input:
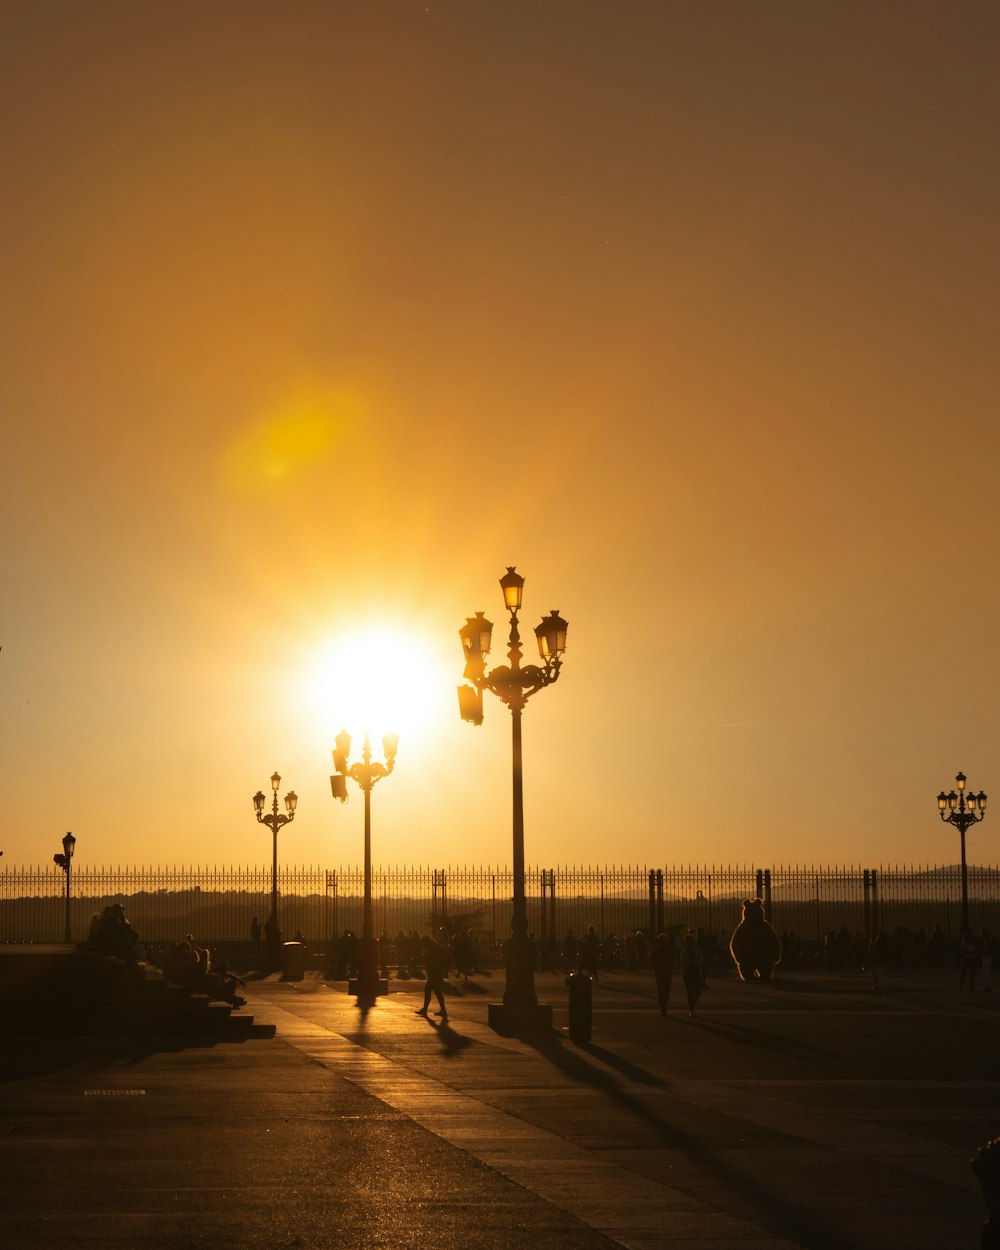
[(274, 821), (367, 773), (962, 810), (65, 862), (514, 684)]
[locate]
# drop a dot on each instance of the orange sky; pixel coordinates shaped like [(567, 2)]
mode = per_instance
[(317, 316)]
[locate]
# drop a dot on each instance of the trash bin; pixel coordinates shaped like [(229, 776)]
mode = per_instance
[(581, 1006), (295, 961)]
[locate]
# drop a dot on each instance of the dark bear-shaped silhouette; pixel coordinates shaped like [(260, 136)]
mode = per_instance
[(755, 947)]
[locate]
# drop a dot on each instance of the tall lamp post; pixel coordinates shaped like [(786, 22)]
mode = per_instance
[(65, 861), (274, 821), (367, 773), (962, 810), (514, 684)]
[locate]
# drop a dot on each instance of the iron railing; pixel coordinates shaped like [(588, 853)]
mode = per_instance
[(217, 905)]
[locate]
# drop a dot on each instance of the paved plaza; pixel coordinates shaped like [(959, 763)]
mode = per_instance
[(804, 1113)]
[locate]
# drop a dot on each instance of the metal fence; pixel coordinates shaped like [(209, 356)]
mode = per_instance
[(217, 905)]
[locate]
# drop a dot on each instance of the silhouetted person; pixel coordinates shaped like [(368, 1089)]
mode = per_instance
[(971, 957), (436, 962), (692, 970), (880, 961), (663, 969), (111, 934), (230, 983), (181, 965), (402, 944), (272, 936), (572, 949), (590, 949)]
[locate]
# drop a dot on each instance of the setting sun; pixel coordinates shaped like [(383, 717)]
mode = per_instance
[(378, 679)]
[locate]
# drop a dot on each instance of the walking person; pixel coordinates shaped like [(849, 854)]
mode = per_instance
[(436, 964), (663, 969), (971, 959), (692, 970)]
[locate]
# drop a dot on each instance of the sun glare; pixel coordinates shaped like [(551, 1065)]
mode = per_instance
[(377, 680)]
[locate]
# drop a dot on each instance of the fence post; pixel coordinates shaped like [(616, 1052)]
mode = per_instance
[(767, 895), (759, 887), (653, 929), (867, 901), (438, 884), (543, 887), (876, 922)]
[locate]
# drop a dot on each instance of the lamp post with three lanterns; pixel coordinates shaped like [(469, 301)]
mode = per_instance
[(513, 684), (962, 810), (367, 773), (274, 820)]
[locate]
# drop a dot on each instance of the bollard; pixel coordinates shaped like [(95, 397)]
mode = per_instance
[(581, 1006), (294, 961)]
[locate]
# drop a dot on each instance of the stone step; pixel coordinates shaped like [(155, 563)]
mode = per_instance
[(62, 990)]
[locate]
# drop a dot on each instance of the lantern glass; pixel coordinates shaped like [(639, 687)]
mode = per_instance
[(476, 636), (551, 636), (338, 785), (258, 801), (275, 781), (960, 780), (69, 845), (981, 799), (390, 745), (291, 801), (952, 800), (512, 585), (942, 800)]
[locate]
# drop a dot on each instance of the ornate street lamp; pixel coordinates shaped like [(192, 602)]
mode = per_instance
[(962, 810), (65, 861), (514, 684), (274, 821), (367, 773)]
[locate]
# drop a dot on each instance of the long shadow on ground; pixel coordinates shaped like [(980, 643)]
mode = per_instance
[(763, 1203)]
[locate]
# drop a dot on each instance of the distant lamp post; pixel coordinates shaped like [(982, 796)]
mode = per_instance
[(274, 821), (514, 685), (367, 773), (962, 810), (65, 861)]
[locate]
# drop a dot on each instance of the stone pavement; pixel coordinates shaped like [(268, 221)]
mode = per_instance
[(806, 1113)]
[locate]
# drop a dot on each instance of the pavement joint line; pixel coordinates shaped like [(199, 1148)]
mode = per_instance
[(682, 1221)]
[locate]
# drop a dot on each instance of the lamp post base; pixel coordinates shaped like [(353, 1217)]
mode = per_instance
[(368, 985), (368, 991), (515, 1018)]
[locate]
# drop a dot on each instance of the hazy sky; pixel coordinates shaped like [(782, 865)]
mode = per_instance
[(316, 316)]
